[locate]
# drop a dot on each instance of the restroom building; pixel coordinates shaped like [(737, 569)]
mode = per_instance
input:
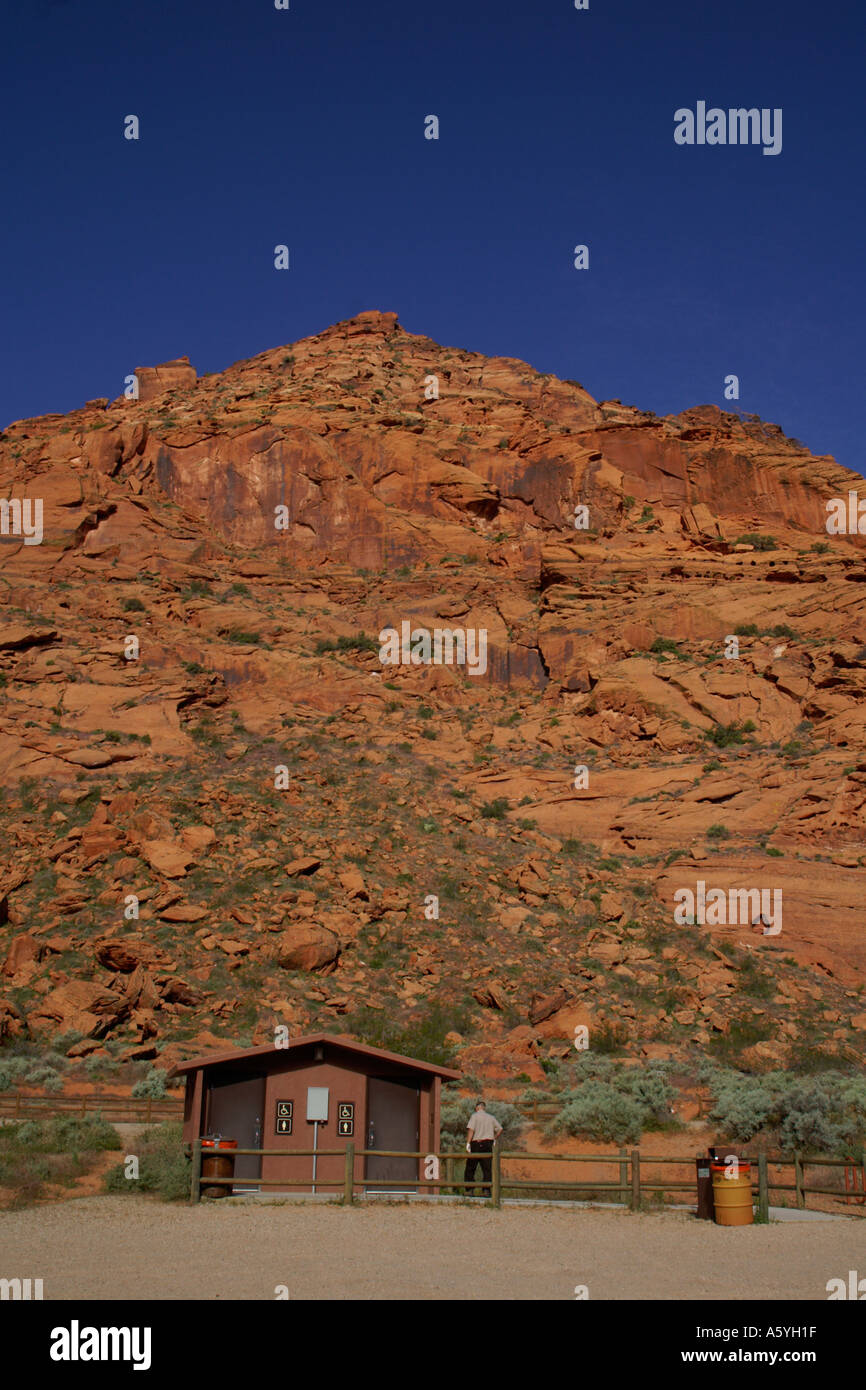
[(323, 1091)]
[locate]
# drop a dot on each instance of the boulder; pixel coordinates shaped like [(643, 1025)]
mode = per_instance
[(304, 946), (24, 952)]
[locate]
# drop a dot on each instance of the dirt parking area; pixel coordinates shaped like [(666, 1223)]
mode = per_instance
[(126, 1247)]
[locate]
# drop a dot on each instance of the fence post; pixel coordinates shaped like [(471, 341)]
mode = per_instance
[(635, 1179), (83, 1106), (798, 1180), (763, 1189), (17, 1104), (349, 1179), (147, 1121), (623, 1176), (496, 1187), (195, 1180), (449, 1174)]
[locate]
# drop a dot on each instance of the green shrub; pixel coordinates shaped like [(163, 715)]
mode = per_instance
[(46, 1077), (496, 809), (61, 1134), (650, 1088), (757, 542), (151, 1086), (820, 1114), (724, 735), (357, 642), (718, 832), (163, 1167), (746, 630), (197, 588), (133, 605), (600, 1111), (743, 1105)]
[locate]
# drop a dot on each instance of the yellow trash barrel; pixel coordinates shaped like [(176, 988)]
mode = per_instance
[(732, 1197)]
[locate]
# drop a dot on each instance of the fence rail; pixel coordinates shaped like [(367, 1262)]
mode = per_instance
[(631, 1185), (15, 1106)]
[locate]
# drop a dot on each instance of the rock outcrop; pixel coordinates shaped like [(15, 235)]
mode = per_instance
[(220, 807)]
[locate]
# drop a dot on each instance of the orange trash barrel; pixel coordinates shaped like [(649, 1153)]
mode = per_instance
[(732, 1196), (217, 1161)]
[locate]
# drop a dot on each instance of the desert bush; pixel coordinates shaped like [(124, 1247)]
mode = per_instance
[(63, 1134), (55, 1151), (651, 1089), (357, 642), (45, 1076), (723, 735), (756, 542), (817, 1114), (743, 1105), (13, 1071), (599, 1111), (151, 1086), (807, 1119), (163, 1168)]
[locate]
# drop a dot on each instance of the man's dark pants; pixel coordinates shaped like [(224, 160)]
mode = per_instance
[(479, 1146)]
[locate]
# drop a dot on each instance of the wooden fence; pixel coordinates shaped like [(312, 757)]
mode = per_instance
[(630, 1187), (14, 1106)]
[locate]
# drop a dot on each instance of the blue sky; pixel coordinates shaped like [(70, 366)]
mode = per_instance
[(306, 127)]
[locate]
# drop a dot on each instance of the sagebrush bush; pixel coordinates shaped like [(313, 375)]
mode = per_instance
[(743, 1104), (817, 1114), (151, 1086), (600, 1111), (653, 1092), (63, 1134), (163, 1167), (46, 1077)]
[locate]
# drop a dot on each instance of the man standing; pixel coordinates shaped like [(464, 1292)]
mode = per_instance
[(481, 1131)]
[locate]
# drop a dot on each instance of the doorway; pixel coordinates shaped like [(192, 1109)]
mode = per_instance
[(393, 1112), (236, 1110)]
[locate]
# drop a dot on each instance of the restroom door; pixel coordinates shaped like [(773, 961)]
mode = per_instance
[(393, 1111), (236, 1111)]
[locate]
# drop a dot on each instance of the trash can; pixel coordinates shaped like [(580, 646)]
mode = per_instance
[(732, 1195), (705, 1209), (217, 1161)]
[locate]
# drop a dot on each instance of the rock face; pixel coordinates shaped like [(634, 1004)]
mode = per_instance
[(168, 376), (220, 805)]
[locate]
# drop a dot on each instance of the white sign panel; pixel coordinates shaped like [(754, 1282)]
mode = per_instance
[(317, 1103)]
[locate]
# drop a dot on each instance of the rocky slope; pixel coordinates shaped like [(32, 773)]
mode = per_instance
[(148, 783)]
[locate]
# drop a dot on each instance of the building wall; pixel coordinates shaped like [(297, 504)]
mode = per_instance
[(346, 1079)]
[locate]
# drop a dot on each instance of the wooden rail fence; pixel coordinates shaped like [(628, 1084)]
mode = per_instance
[(14, 1106), (631, 1184)]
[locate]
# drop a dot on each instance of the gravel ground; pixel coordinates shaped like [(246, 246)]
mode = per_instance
[(129, 1247)]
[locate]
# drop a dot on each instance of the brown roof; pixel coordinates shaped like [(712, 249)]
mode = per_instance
[(212, 1059)]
